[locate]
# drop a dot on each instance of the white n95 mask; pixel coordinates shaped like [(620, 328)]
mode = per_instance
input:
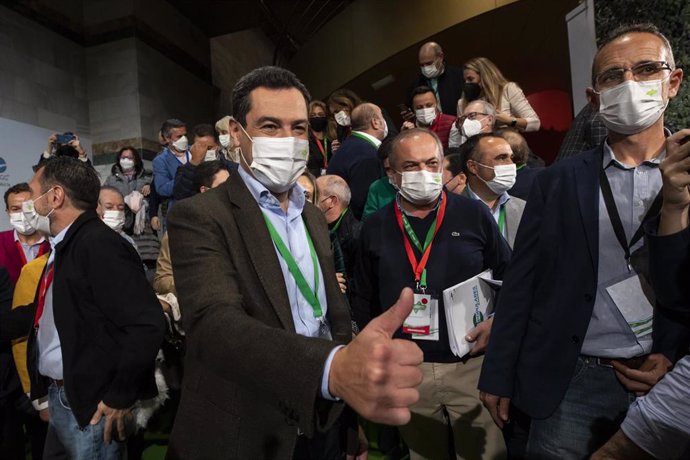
[(421, 187), (431, 71), (632, 106), (37, 221), (471, 127)]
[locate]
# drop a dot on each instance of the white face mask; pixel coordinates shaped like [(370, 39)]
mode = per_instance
[(20, 224), (126, 164), (421, 187), (342, 118), (181, 144), (431, 71), (37, 221), (211, 155), (426, 116), (504, 178), (471, 127), (632, 106), (224, 140), (114, 219), (277, 162), (385, 129)]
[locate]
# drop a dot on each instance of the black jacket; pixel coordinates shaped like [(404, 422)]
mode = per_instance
[(108, 318), (184, 179), (450, 84)]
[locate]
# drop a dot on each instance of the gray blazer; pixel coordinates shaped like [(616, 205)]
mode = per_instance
[(250, 380), (514, 208)]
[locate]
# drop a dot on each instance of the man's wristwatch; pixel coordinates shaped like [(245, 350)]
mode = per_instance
[(513, 122)]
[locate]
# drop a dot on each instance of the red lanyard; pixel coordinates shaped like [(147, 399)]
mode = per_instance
[(419, 268), (45, 284), (22, 256), (322, 150)]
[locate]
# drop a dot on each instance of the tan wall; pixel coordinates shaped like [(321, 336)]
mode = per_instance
[(365, 34)]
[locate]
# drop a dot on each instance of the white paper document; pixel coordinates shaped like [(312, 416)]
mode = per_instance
[(465, 304)]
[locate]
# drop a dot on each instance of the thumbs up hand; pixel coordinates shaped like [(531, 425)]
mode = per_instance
[(376, 374)]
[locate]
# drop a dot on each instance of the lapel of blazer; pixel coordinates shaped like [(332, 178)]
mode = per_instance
[(259, 246), (337, 312), (586, 181), (514, 211)]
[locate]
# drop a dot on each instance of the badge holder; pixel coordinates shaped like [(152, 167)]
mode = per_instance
[(422, 323)]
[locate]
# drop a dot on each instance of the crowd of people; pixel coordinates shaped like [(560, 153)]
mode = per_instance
[(278, 284)]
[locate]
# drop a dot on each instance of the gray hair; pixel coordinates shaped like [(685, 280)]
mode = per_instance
[(487, 107), (395, 143), (335, 185)]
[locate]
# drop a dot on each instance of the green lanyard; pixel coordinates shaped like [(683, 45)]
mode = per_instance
[(362, 136), (310, 296), (337, 224), (413, 237), (521, 166), (502, 219)]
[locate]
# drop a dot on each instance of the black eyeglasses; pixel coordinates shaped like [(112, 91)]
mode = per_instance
[(643, 71), (471, 116)]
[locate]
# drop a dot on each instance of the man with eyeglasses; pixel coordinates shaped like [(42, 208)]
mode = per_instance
[(478, 117), (576, 335)]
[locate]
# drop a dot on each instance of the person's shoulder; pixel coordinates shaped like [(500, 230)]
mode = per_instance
[(202, 204), (516, 203)]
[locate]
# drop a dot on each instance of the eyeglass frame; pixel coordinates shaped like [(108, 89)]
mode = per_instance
[(663, 65), (471, 116)]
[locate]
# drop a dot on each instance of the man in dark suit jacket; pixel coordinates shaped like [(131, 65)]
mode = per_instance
[(98, 323), (665, 408), (356, 160), (447, 81), (564, 336), (264, 370)]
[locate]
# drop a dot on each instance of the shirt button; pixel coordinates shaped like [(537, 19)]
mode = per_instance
[(639, 204)]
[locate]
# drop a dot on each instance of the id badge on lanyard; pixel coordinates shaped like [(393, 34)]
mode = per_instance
[(422, 323)]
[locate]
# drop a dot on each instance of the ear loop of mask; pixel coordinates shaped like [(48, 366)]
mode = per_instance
[(248, 137)]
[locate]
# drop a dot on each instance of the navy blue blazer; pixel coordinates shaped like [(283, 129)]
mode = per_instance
[(549, 289), (357, 162)]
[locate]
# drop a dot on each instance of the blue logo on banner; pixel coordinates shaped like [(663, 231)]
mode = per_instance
[(3, 165)]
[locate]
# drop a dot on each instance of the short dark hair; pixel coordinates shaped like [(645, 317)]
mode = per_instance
[(204, 173), (203, 130), (645, 27), (422, 90), (138, 164), (169, 125), (264, 77), (65, 150), (520, 149), (454, 163), (470, 149), (385, 149), (16, 188), (80, 182)]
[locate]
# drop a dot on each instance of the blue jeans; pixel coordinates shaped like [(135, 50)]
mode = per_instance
[(80, 443), (592, 410)]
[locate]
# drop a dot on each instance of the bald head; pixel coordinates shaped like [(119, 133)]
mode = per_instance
[(334, 196), (429, 52), (367, 117)]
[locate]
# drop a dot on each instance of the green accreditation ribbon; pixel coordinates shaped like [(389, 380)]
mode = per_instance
[(362, 136), (310, 296), (340, 219), (502, 219), (419, 268)]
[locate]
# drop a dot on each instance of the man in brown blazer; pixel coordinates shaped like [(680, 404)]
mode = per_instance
[(270, 354)]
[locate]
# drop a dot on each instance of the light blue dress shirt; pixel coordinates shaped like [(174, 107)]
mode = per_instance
[(496, 212), (634, 190), (293, 232), (49, 349), (30, 250)]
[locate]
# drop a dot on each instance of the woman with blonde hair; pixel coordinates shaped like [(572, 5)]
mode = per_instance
[(341, 102), (483, 80), (228, 150)]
